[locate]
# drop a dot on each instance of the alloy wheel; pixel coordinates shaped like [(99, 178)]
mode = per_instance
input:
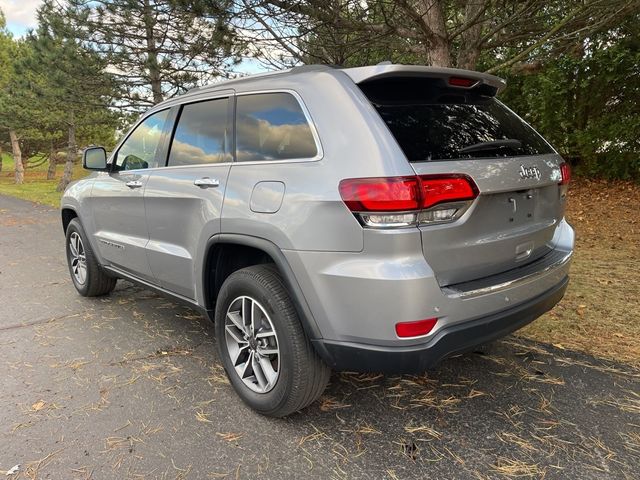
[(77, 258), (252, 344)]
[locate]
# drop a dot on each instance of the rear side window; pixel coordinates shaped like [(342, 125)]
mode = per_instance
[(433, 122), (272, 126), (201, 134)]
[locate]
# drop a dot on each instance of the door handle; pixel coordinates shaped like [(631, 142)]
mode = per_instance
[(134, 184), (206, 182)]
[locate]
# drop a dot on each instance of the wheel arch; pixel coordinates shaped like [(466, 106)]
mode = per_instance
[(69, 211), (251, 251), (67, 214)]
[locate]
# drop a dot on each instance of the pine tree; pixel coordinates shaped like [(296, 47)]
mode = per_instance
[(12, 112), (5, 59), (68, 87), (154, 48)]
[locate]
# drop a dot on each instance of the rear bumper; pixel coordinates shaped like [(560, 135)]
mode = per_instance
[(450, 340), (358, 297)]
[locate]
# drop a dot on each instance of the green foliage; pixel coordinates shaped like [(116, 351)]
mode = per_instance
[(572, 66), (51, 84), (321, 42), (155, 48), (585, 102)]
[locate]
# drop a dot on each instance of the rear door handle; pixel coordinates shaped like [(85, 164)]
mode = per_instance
[(134, 184), (206, 182)]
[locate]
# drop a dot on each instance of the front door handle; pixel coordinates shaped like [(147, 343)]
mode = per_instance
[(134, 184), (206, 182)]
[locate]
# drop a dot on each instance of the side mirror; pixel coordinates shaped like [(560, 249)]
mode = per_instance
[(132, 162), (94, 158)]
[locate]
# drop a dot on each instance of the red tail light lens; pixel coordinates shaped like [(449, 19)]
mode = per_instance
[(392, 194), (415, 329), (462, 82), (397, 194), (436, 189), (565, 171)]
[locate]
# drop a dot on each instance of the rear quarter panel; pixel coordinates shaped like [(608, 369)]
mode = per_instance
[(354, 143)]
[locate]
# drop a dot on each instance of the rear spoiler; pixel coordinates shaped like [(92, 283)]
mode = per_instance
[(453, 76)]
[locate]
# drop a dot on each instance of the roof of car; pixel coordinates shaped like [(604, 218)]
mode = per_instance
[(357, 74), (270, 80)]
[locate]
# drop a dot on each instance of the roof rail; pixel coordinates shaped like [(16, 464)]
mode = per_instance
[(298, 69), (236, 79), (312, 67)]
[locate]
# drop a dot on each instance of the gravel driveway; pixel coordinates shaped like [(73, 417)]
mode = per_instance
[(129, 386)]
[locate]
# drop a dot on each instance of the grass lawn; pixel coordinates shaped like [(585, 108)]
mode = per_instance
[(36, 187), (600, 313)]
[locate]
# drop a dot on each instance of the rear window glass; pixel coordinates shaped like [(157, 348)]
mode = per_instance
[(432, 122), (272, 126)]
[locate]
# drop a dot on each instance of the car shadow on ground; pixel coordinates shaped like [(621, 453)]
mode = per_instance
[(130, 386)]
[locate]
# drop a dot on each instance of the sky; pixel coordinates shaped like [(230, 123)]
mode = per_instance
[(20, 14)]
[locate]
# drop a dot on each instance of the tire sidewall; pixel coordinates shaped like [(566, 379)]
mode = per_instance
[(239, 284), (75, 226)]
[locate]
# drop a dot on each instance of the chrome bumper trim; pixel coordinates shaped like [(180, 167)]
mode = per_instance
[(455, 291)]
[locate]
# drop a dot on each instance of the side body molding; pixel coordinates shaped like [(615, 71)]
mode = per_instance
[(306, 317)]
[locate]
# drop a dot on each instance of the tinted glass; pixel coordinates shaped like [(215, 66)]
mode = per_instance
[(272, 126), (201, 134), (139, 150), (432, 122)]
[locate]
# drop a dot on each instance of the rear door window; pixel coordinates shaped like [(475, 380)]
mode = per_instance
[(272, 126), (431, 122), (201, 134)]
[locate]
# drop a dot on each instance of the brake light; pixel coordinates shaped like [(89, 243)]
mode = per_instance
[(415, 329), (404, 201), (565, 172), (392, 194), (436, 189), (398, 194), (462, 81)]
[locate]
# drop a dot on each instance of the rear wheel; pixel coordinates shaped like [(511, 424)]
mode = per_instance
[(87, 275), (264, 350)]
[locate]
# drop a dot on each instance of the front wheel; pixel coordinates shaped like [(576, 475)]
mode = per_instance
[(87, 275), (264, 350)]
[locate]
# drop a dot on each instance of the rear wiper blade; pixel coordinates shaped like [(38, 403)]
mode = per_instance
[(493, 145)]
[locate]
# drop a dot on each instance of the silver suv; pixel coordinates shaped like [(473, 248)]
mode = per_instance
[(378, 218)]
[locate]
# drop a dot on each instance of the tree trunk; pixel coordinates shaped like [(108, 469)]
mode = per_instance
[(469, 49), (439, 46), (71, 158), (17, 157), (0, 159), (152, 54), (51, 171)]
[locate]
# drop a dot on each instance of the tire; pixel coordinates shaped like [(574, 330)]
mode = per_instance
[(300, 375), (95, 281)]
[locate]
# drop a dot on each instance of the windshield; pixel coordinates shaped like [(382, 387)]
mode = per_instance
[(443, 125)]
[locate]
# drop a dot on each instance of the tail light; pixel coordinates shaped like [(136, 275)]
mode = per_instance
[(436, 189), (565, 178), (381, 194), (403, 201), (462, 82), (565, 172)]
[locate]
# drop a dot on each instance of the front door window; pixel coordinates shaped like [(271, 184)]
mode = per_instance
[(139, 149)]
